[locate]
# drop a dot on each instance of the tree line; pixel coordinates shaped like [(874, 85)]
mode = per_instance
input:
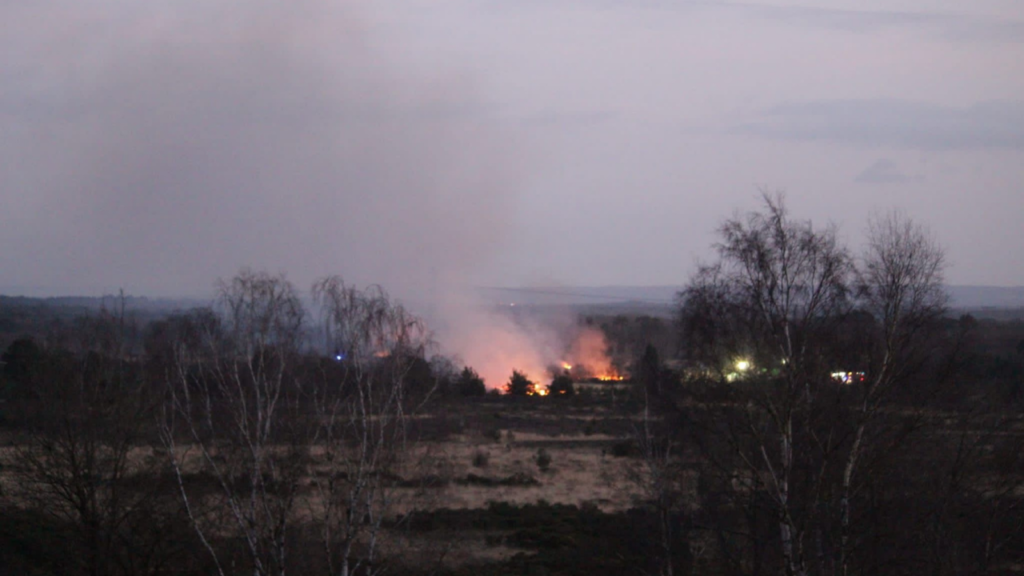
[(823, 415), (823, 423), (264, 437)]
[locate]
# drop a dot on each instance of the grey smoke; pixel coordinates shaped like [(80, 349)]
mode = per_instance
[(159, 149)]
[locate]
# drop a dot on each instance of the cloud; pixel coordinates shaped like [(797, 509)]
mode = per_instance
[(561, 119), (884, 171), (895, 123), (952, 27)]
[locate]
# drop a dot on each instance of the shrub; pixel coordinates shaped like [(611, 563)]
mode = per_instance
[(623, 449), (469, 383), (543, 460), (517, 479), (481, 459), (520, 385), (561, 386)]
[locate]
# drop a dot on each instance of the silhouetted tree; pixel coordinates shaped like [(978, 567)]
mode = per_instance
[(648, 371), (469, 383), (268, 423), (236, 405), (22, 361), (782, 308), (768, 302), (519, 385), (363, 434), (561, 385), (80, 455), (900, 285)]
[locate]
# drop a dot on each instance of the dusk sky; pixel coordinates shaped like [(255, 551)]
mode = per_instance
[(157, 146)]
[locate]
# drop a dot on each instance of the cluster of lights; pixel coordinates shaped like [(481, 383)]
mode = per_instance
[(741, 366), (848, 377)]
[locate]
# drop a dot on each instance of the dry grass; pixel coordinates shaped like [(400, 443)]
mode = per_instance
[(577, 474)]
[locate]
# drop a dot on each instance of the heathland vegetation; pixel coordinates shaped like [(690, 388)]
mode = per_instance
[(808, 411)]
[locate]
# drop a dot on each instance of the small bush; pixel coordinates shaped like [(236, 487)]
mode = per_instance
[(624, 449), (561, 386), (517, 479), (481, 459), (428, 481), (469, 383), (543, 460), (520, 385)]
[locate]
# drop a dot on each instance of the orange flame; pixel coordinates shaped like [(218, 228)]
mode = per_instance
[(588, 357)]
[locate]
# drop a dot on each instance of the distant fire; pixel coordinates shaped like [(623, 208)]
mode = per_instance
[(587, 358), (539, 349)]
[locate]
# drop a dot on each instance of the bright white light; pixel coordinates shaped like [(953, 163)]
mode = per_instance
[(742, 365)]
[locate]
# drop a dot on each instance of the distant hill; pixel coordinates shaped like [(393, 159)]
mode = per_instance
[(575, 295), (961, 297), (110, 302), (986, 296)]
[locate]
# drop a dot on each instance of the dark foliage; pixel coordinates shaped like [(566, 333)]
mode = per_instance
[(520, 385), (561, 386), (469, 383), (561, 539)]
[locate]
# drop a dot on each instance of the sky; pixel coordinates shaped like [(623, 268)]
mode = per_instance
[(158, 146)]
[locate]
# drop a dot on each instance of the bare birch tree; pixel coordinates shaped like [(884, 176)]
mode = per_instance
[(658, 473), (232, 415), (900, 285), (780, 301), (362, 442), (295, 438), (776, 289)]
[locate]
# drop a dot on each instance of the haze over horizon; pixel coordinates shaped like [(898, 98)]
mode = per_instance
[(426, 144)]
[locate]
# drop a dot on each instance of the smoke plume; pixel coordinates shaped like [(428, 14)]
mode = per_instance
[(190, 139), (169, 144)]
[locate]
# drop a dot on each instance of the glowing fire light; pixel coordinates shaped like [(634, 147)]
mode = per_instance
[(541, 392), (566, 365)]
